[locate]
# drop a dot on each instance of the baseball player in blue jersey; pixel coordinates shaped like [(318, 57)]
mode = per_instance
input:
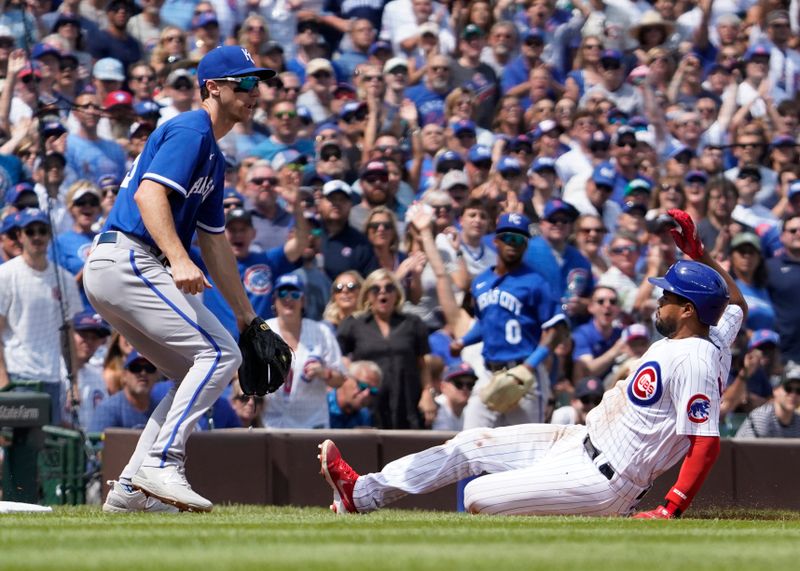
[(140, 278), (512, 302)]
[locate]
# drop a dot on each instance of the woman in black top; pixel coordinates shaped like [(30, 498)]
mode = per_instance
[(398, 343)]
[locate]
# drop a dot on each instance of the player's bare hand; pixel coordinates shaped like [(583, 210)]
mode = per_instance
[(456, 346), (427, 406), (188, 277)]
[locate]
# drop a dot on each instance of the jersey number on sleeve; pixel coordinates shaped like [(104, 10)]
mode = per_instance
[(513, 332)]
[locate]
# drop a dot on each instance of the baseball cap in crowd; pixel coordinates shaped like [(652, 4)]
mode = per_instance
[(232, 198), (449, 160), (604, 174), (545, 127), (783, 141), (374, 167), (557, 206), (288, 157), (134, 356), (175, 77), (384, 46), (794, 189), (147, 109), (520, 143), (634, 208), (41, 50), (616, 115), (777, 16), (5, 32), (638, 123), (304, 114), (88, 320), (272, 47), (336, 186), (635, 331), (108, 182), (533, 36), (22, 196), (750, 170), (589, 387), (63, 19), (746, 239), (638, 186), (141, 128), (515, 223), (53, 128), (454, 178), (357, 109), (229, 61), (326, 127), (395, 63), (118, 98), (32, 68), (696, 176), (32, 215), (205, 19), (238, 214), (311, 177), (318, 64), (429, 28), (761, 337), (509, 165), (758, 50), (10, 222), (681, 152), (624, 132), (613, 57), (479, 153), (646, 137), (459, 369), (345, 91), (543, 164), (463, 126), (82, 191), (471, 31), (791, 373), (600, 141), (108, 69), (289, 281)]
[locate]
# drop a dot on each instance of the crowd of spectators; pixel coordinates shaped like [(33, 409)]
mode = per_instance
[(363, 195)]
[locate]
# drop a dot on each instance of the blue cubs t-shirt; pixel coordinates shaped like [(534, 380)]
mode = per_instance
[(182, 155)]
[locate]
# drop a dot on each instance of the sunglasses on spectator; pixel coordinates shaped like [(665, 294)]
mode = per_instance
[(510, 175), (461, 385), (482, 165), (232, 204), (373, 178), (137, 368), (792, 230), (362, 386), (255, 28), (259, 181), (599, 147), (387, 289), (559, 220), (592, 230), (329, 154), (512, 239), (379, 226), (245, 399), (533, 42), (623, 249), (387, 149), (30, 79), (293, 88), (6, 43), (617, 120), (357, 116), (611, 65), (88, 201), (68, 66), (606, 301), (144, 78), (594, 401), (373, 78), (290, 293), (285, 114), (173, 39), (38, 230), (629, 143), (322, 75), (184, 84), (349, 286)]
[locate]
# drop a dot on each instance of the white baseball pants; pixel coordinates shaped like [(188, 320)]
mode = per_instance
[(136, 294), (533, 469)]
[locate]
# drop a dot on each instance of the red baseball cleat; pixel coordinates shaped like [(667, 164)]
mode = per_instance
[(341, 477)]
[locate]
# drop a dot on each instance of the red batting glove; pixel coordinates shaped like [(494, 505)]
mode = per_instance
[(685, 235), (660, 512)]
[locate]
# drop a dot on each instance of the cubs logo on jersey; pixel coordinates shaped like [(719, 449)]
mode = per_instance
[(646, 386), (258, 279), (83, 250), (698, 408)]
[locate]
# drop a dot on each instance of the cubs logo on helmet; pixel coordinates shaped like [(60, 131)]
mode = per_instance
[(698, 408), (646, 387), (258, 279)]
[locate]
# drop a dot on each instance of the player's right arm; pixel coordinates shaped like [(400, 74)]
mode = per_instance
[(737, 298), (151, 198)]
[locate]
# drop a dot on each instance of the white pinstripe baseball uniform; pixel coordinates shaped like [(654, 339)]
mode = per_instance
[(636, 433)]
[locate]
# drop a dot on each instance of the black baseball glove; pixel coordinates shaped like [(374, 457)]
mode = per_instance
[(266, 359)]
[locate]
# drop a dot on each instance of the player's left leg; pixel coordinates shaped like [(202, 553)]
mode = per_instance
[(563, 481)]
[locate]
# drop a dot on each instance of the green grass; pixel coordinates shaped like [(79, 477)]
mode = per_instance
[(255, 537)]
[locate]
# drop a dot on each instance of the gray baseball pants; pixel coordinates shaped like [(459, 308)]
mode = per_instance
[(128, 285)]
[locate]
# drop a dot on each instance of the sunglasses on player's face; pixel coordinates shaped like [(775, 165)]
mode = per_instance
[(512, 239), (243, 84)]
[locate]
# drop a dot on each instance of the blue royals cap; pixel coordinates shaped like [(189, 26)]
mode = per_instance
[(90, 321), (762, 337), (460, 369), (514, 222), (604, 174), (32, 215), (229, 61), (553, 207), (289, 281), (478, 153)]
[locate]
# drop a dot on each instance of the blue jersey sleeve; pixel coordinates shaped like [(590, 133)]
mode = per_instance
[(177, 158)]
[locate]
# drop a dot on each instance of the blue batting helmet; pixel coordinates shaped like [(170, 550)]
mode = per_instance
[(701, 285)]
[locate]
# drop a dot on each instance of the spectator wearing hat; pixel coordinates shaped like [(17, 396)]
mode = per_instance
[(637, 341), (596, 198), (10, 247), (782, 153), (515, 79), (355, 46), (455, 390), (588, 394), (757, 374), (614, 87), (317, 365), (752, 97), (343, 247), (429, 95), (749, 147), (349, 405), (284, 124), (270, 220), (118, 106), (478, 165), (180, 88), (257, 270), (114, 40), (749, 269), (206, 32), (69, 11), (68, 81), (317, 97), (470, 70), (31, 315), (132, 406), (578, 160), (696, 192), (306, 43), (778, 418), (463, 136), (748, 211), (395, 80), (567, 273), (456, 184), (72, 247), (49, 59), (713, 230), (19, 97), (509, 179), (108, 74), (373, 183), (623, 253), (89, 333), (783, 283), (352, 121), (109, 188), (22, 196), (88, 155), (651, 31), (53, 177)]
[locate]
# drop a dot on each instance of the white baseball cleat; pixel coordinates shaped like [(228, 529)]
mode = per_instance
[(169, 485), (123, 498)]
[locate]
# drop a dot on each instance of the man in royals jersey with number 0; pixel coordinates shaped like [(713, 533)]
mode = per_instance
[(665, 411)]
